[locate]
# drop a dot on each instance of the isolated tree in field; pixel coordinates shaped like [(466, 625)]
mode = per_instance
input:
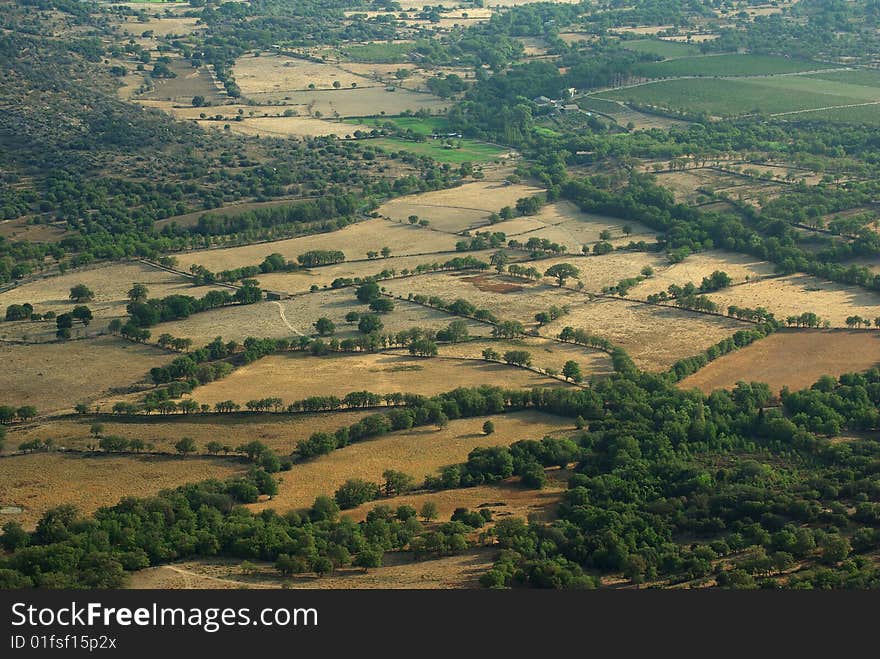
[(138, 293), (542, 317), (382, 305), (386, 252), (499, 260), (562, 271), (97, 429), (488, 428), (368, 292), (370, 323), (325, 326), (428, 511), (352, 317), (185, 445), (63, 323), (571, 370), (83, 314), (81, 293), (396, 482), (413, 219)]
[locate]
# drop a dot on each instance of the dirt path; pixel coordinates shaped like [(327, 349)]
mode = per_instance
[(284, 319)]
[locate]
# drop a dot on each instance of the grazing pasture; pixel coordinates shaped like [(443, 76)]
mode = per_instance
[(41, 481), (419, 452), (461, 208), (54, 377), (354, 241), (655, 337), (796, 294), (295, 376), (795, 359), (279, 432)]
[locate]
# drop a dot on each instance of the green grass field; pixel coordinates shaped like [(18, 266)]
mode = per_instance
[(726, 65), (591, 104), (388, 53), (726, 98), (665, 49), (864, 114), (864, 77), (418, 125), (470, 150)]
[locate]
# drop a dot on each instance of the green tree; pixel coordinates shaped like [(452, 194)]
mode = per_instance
[(562, 271), (185, 445), (488, 427), (428, 511), (325, 326), (81, 293), (571, 370)]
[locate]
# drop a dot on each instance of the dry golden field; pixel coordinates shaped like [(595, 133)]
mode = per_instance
[(655, 337), (545, 353), (296, 316), (699, 265), (521, 301), (563, 223), (461, 208), (287, 127), (278, 73), (599, 272), (795, 294), (109, 283), (54, 377), (279, 432), (354, 240), (398, 571), (294, 377), (189, 82), (348, 102), (164, 26), (419, 452), (791, 358), (302, 280), (40, 481)]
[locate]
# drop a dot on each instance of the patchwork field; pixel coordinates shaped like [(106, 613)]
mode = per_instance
[(419, 452), (795, 294), (354, 240), (54, 377), (458, 209), (463, 150), (791, 358), (41, 481), (294, 377), (655, 337)]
